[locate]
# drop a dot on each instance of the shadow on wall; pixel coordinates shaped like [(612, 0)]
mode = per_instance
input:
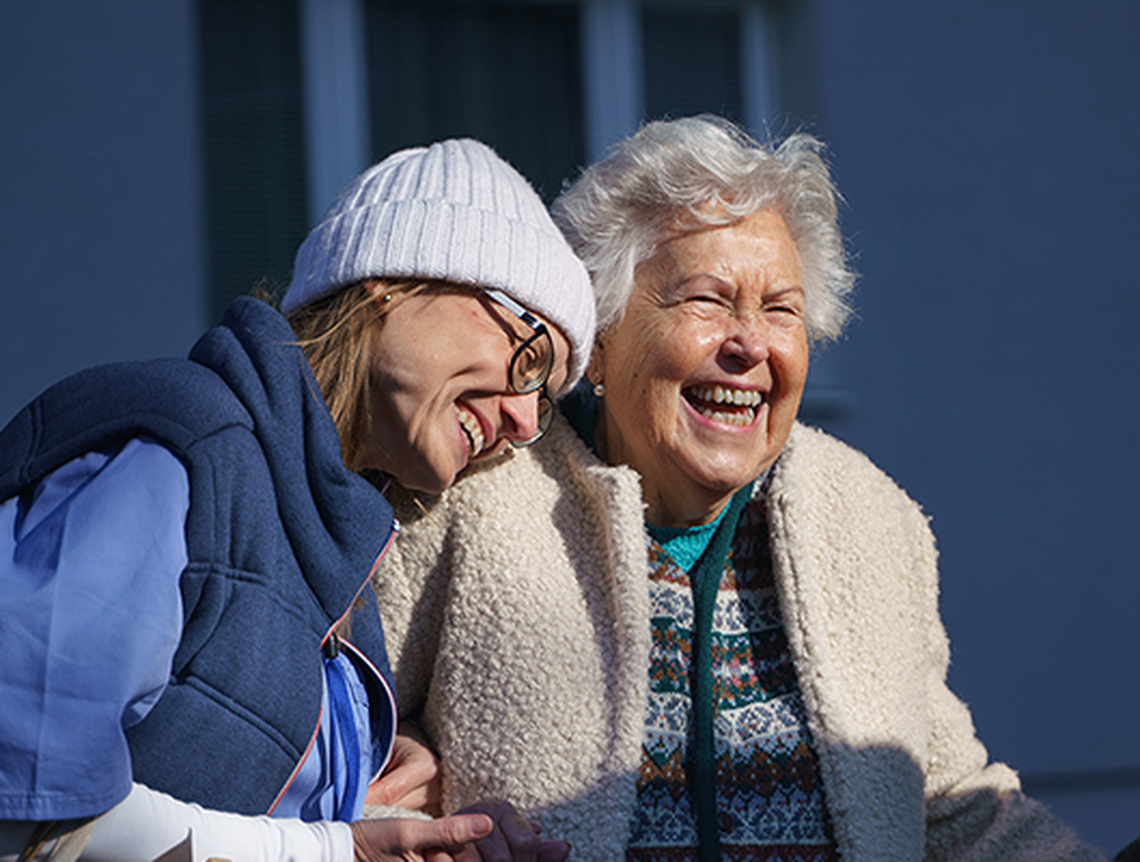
[(1131, 853)]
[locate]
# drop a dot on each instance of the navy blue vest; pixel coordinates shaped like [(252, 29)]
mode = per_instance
[(281, 540)]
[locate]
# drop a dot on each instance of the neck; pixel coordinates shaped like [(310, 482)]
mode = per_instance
[(662, 510)]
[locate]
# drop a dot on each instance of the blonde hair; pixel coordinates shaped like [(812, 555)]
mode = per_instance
[(337, 334)]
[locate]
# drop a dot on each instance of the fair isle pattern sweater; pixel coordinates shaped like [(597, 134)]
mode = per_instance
[(517, 617), (769, 795)]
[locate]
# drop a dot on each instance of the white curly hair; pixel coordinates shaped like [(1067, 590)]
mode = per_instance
[(705, 169)]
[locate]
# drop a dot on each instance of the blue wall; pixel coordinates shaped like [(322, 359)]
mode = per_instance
[(988, 151), (100, 257)]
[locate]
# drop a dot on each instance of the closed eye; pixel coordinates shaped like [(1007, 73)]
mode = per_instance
[(786, 302), (700, 288)]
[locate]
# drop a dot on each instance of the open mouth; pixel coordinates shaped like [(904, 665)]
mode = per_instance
[(471, 430), (724, 404)]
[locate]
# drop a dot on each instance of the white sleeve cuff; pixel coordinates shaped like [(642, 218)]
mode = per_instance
[(148, 823)]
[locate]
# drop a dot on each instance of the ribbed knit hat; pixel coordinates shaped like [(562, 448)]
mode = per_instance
[(457, 212)]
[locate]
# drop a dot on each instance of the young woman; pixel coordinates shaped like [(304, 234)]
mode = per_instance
[(184, 544)]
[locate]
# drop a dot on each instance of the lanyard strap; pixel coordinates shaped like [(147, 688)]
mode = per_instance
[(705, 578)]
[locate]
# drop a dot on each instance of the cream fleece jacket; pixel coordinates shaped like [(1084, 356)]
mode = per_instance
[(516, 611)]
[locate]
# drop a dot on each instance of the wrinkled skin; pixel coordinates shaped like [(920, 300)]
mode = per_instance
[(714, 307)]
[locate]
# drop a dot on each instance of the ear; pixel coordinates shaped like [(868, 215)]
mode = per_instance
[(595, 367), (377, 288)]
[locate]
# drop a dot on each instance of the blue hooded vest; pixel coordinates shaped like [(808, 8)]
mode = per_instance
[(281, 541)]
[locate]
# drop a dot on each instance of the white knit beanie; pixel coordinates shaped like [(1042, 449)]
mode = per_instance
[(456, 212)]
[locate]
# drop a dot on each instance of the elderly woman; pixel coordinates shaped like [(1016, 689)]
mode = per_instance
[(686, 627), (189, 642)]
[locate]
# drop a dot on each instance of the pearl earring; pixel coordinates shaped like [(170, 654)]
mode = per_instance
[(599, 390)]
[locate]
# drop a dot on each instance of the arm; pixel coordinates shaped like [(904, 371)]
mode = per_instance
[(901, 763), (978, 807), (90, 617), (95, 620), (148, 823), (973, 806)]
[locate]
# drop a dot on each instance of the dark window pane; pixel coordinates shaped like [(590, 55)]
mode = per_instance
[(253, 144), (505, 73), (692, 62)]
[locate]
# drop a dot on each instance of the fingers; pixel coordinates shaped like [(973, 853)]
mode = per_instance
[(466, 853), (412, 779), (404, 786), (553, 851), (454, 830), (521, 841), (380, 840), (512, 840), (387, 789)]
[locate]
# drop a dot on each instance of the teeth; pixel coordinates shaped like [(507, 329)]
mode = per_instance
[(747, 398), (470, 426), (741, 419), (725, 395)]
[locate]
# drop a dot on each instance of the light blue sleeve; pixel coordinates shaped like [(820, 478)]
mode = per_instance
[(90, 617), (333, 778)]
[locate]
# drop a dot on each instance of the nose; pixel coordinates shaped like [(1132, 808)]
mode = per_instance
[(519, 415), (747, 344)]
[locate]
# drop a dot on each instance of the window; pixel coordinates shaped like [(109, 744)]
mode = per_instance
[(548, 83), (252, 130), (505, 73), (692, 62)]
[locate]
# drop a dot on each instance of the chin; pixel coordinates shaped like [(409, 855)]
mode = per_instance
[(729, 477), (719, 490), (426, 483), (440, 484)]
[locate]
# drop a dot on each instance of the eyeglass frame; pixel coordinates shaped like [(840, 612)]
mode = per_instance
[(545, 403)]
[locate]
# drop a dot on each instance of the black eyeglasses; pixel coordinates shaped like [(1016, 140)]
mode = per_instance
[(531, 362)]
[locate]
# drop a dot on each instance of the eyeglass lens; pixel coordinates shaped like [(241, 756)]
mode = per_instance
[(531, 363)]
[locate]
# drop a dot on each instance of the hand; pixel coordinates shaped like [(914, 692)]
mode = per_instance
[(412, 778), (446, 840), (514, 838)]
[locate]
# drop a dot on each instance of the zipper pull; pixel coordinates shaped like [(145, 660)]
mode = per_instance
[(331, 646)]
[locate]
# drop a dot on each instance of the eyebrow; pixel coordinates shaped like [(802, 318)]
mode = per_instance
[(670, 288)]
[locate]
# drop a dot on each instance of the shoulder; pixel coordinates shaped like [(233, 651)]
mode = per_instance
[(70, 520), (173, 400), (824, 494), (523, 488), (817, 466), (815, 455), (536, 509)]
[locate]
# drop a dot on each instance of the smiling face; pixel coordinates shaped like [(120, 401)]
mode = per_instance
[(439, 385), (704, 373)]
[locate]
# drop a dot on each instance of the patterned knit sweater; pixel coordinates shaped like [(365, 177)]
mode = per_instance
[(770, 801)]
